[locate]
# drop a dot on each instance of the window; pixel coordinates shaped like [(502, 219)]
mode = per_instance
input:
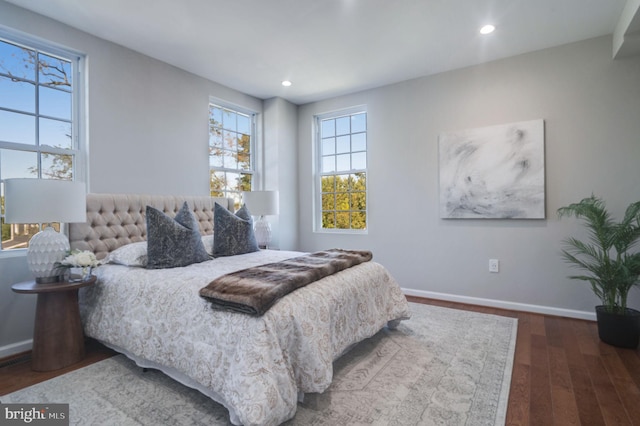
[(231, 151), (39, 123), (342, 165)]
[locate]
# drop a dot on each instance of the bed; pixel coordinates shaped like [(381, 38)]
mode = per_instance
[(258, 367)]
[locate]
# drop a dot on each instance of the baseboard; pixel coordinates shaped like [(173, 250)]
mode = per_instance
[(15, 348), (514, 306)]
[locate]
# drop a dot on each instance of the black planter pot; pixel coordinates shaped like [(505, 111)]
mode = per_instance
[(619, 330)]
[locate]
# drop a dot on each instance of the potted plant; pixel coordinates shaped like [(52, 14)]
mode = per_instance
[(611, 266)]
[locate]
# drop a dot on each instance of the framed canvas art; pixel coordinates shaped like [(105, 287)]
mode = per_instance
[(494, 172)]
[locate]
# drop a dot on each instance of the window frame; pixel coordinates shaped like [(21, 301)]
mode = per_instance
[(318, 174), (253, 147), (79, 147)]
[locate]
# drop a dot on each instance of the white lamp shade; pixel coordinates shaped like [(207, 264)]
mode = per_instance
[(44, 201), (261, 203)]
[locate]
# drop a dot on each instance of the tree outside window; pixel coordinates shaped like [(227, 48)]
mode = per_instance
[(342, 148), (231, 156)]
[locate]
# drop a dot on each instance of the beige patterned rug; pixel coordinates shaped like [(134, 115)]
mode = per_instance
[(442, 367)]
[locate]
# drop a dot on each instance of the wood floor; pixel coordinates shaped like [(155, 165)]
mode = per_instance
[(562, 373)]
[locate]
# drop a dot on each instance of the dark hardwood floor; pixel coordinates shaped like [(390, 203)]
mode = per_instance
[(562, 373)]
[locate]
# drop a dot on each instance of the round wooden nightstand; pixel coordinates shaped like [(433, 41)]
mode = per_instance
[(58, 340)]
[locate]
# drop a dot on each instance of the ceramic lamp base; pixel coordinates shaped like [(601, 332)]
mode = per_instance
[(262, 230), (47, 248)]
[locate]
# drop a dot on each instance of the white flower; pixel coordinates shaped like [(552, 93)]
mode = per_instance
[(80, 259)]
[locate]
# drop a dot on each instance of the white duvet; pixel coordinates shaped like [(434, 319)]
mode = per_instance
[(254, 366)]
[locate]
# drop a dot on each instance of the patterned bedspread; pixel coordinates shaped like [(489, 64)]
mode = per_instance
[(254, 366)]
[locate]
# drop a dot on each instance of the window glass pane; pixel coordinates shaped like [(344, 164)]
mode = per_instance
[(55, 103), (17, 61), (230, 141), (244, 124), (55, 133), (17, 94), (328, 201), (56, 166), (218, 183), (54, 72), (17, 128), (245, 182), (343, 162), (18, 164), (343, 126), (229, 159), (358, 201), (215, 137), (229, 120), (359, 161), (359, 123), (359, 220), (17, 235), (215, 116), (343, 144), (328, 183), (342, 183), (328, 164), (244, 151), (328, 220), (342, 220), (358, 182), (359, 142), (328, 146), (215, 160), (328, 128), (234, 181)]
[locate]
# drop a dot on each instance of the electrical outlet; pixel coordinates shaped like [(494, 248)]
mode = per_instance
[(494, 265)]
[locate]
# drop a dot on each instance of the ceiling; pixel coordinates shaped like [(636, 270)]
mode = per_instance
[(330, 47)]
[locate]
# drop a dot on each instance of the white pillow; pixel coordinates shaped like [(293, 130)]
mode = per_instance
[(132, 254), (207, 240)]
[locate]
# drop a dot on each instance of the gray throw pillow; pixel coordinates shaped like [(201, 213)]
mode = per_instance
[(233, 232), (173, 242)]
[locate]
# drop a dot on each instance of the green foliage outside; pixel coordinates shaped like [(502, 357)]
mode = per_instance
[(344, 201)]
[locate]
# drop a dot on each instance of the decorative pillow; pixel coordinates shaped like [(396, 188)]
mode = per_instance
[(173, 242), (207, 241), (233, 232), (132, 254)]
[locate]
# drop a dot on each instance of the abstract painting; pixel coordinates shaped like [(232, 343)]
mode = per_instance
[(494, 172)]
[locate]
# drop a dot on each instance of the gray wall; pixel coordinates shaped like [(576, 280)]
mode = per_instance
[(147, 132), (591, 108)]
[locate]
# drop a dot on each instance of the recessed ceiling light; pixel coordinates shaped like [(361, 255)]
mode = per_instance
[(286, 83), (487, 29)]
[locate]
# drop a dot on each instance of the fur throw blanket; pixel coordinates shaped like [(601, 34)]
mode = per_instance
[(255, 290)]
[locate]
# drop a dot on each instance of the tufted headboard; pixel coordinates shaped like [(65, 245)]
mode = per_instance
[(114, 220)]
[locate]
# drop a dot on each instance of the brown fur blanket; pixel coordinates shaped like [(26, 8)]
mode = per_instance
[(255, 290)]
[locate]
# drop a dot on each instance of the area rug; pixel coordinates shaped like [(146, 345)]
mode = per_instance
[(441, 367)]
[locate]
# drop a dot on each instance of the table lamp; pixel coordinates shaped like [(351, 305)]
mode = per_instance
[(45, 201), (261, 203)]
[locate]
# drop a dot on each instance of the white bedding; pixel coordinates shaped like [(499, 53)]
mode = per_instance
[(254, 366)]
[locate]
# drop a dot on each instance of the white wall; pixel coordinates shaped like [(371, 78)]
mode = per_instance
[(591, 108), (280, 169)]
